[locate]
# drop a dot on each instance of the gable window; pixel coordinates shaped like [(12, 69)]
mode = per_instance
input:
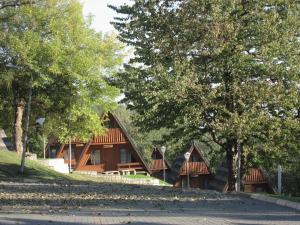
[(195, 158), (125, 156)]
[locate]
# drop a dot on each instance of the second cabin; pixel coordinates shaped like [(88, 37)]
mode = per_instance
[(112, 152), (194, 172), (159, 165)]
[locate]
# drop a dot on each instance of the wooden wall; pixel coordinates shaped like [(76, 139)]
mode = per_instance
[(200, 181)]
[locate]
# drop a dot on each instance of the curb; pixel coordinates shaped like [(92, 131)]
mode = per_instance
[(281, 202)]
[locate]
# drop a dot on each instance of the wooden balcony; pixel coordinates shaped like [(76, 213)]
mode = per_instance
[(157, 165), (254, 176), (112, 136), (130, 166), (194, 168)]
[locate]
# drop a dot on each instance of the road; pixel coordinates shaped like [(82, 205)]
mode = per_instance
[(94, 203)]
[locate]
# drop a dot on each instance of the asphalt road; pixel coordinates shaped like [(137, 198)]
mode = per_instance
[(41, 204)]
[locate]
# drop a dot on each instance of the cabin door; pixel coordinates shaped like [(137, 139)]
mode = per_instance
[(109, 159)]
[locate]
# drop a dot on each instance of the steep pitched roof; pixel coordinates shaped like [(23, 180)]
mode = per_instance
[(256, 175), (130, 139), (201, 153), (161, 154), (181, 159)]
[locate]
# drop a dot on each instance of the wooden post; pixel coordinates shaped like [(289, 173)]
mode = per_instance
[(238, 177), (279, 187), (188, 174), (44, 147), (164, 167), (70, 156)]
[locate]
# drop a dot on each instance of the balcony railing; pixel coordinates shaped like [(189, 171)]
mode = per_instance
[(194, 168), (254, 176), (130, 166), (157, 164), (113, 135)]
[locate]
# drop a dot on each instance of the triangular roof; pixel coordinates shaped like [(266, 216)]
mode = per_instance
[(181, 159), (161, 154), (130, 139), (201, 153), (220, 179), (127, 135)]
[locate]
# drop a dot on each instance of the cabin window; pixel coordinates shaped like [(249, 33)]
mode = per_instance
[(125, 156), (52, 153), (66, 153), (109, 124), (95, 157)]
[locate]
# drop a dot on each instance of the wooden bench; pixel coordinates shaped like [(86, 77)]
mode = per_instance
[(129, 166), (127, 171), (143, 172), (113, 172)]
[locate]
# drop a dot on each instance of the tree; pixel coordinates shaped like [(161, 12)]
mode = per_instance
[(52, 56), (229, 69)]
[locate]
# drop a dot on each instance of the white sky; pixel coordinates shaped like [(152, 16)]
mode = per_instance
[(102, 14)]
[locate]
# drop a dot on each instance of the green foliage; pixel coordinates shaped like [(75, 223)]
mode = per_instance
[(49, 47), (223, 71)]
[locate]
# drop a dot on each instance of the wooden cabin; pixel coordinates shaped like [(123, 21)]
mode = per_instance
[(114, 151), (158, 165), (255, 180), (197, 168)]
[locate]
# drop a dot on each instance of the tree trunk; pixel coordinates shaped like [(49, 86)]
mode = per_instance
[(27, 120), (18, 126), (229, 157), (26, 131), (238, 167), (243, 166)]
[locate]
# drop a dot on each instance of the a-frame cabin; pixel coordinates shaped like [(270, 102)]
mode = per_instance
[(158, 165), (197, 168), (255, 180), (113, 151)]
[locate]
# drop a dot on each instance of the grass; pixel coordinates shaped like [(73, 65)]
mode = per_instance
[(137, 176), (10, 164), (142, 176), (289, 198), (284, 197), (36, 172)]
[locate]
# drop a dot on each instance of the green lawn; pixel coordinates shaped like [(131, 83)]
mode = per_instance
[(36, 172), (289, 198), (137, 176), (142, 176), (10, 163)]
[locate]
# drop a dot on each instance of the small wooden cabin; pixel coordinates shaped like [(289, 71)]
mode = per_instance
[(158, 165), (197, 168), (114, 151), (255, 180)]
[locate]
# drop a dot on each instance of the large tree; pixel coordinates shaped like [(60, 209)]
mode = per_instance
[(226, 68), (53, 60)]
